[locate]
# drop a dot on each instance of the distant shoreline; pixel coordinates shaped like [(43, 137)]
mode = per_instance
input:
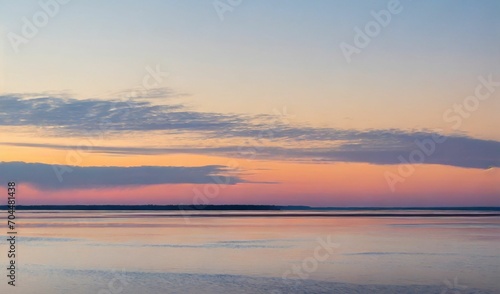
[(248, 208)]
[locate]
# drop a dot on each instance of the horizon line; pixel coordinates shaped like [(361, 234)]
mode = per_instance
[(232, 207)]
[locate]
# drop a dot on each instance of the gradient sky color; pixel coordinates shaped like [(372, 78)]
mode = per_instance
[(263, 98)]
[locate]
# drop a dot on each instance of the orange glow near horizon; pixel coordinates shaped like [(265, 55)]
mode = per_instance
[(289, 183)]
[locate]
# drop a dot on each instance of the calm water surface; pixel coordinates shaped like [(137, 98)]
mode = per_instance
[(155, 252)]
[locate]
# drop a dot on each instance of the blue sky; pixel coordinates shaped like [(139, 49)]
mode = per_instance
[(287, 49)]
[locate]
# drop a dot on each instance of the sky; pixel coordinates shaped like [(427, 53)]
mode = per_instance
[(324, 103)]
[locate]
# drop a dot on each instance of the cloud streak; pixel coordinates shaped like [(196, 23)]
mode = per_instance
[(455, 151)]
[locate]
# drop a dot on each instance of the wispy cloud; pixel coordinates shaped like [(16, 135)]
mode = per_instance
[(74, 117), (149, 94)]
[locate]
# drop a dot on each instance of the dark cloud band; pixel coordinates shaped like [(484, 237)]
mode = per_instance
[(56, 177)]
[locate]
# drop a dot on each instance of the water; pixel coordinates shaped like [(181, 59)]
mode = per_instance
[(164, 252)]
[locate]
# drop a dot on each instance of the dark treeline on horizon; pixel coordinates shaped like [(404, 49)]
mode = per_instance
[(236, 207), (155, 207)]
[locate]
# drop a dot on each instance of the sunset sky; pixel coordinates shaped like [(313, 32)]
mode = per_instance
[(251, 102)]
